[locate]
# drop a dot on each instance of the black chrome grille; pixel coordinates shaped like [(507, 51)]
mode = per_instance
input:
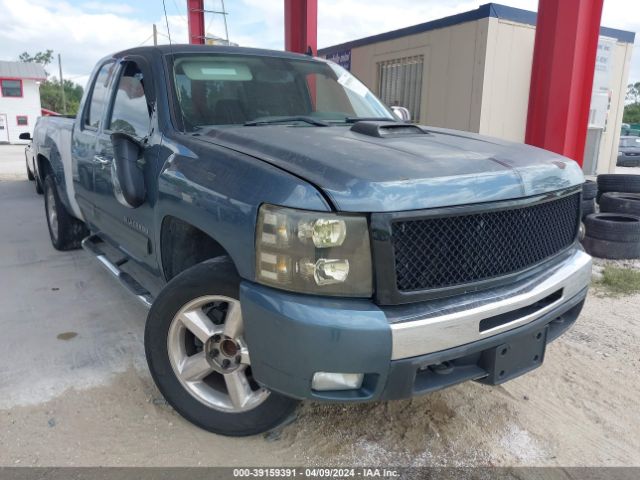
[(447, 251)]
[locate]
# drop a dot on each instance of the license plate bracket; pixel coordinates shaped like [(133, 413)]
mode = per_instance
[(515, 357)]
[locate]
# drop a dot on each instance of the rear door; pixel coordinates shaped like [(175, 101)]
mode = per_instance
[(130, 112), (84, 138)]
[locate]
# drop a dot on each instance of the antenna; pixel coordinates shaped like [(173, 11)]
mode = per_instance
[(166, 19)]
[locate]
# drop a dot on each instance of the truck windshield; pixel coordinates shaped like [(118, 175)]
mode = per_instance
[(256, 90)]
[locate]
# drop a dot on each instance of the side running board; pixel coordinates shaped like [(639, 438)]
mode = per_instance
[(92, 245)]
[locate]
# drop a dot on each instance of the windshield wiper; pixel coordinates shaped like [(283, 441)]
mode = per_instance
[(370, 119), (284, 119)]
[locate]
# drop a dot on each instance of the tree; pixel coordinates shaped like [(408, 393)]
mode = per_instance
[(50, 91), (51, 95), (43, 58), (631, 113), (632, 108)]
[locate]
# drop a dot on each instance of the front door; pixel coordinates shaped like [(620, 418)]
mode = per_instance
[(85, 136), (128, 228), (4, 132)]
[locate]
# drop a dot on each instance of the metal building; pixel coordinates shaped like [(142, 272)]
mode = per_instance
[(19, 98), (472, 71)]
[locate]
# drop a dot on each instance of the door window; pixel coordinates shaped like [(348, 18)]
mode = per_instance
[(93, 113), (130, 112)]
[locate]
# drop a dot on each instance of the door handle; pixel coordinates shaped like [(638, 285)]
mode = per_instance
[(103, 161)]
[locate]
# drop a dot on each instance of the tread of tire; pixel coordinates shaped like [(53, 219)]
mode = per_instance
[(598, 225), (612, 250), (589, 190), (588, 207), (618, 182), (617, 202)]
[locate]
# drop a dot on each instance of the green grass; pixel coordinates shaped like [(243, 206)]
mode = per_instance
[(619, 281)]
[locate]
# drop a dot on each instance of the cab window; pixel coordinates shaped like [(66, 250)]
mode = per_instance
[(93, 112)]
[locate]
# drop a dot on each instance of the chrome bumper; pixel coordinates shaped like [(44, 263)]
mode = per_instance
[(455, 328)]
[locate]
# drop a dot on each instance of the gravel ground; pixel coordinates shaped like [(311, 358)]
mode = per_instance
[(75, 391)]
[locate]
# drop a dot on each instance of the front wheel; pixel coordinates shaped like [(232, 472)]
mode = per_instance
[(195, 347)]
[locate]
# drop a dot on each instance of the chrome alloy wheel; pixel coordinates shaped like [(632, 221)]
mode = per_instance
[(52, 214), (209, 356)]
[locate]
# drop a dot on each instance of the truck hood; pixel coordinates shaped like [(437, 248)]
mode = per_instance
[(363, 173)]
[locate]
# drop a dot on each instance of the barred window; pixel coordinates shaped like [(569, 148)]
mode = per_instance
[(400, 83)]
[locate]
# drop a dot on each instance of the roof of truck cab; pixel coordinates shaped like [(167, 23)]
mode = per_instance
[(187, 48)]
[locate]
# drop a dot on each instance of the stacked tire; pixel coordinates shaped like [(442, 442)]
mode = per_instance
[(620, 202), (612, 235), (614, 232), (589, 194), (621, 183)]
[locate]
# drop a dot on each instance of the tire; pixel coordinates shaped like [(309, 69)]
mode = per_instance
[(208, 289), (66, 232), (39, 188), (614, 227), (588, 207), (29, 174), (589, 190), (618, 183), (627, 203), (612, 250)]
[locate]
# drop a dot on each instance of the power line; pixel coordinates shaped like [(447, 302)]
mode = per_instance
[(145, 40)]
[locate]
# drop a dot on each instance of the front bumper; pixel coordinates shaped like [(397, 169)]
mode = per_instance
[(402, 349)]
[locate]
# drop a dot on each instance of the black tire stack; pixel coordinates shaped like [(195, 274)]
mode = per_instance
[(614, 232)]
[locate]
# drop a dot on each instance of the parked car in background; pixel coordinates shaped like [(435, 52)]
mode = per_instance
[(30, 161), (629, 152), (310, 244)]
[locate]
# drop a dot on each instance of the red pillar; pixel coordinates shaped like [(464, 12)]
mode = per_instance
[(301, 25), (562, 75), (195, 15)]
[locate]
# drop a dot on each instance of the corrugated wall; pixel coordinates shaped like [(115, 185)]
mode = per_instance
[(452, 76), (507, 76)]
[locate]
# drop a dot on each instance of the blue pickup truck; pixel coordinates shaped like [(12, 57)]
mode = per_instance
[(308, 243)]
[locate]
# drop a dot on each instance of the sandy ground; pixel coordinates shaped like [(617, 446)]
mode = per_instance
[(74, 388)]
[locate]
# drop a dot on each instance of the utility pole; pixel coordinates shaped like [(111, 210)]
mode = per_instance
[(155, 35), (226, 29), (64, 100)]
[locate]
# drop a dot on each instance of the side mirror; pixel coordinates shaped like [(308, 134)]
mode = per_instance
[(126, 174), (402, 113), (25, 136)]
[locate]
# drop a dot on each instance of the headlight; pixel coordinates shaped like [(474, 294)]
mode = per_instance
[(313, 252), (620, 154)]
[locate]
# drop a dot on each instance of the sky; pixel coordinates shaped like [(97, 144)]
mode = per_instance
[(84, 31)]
